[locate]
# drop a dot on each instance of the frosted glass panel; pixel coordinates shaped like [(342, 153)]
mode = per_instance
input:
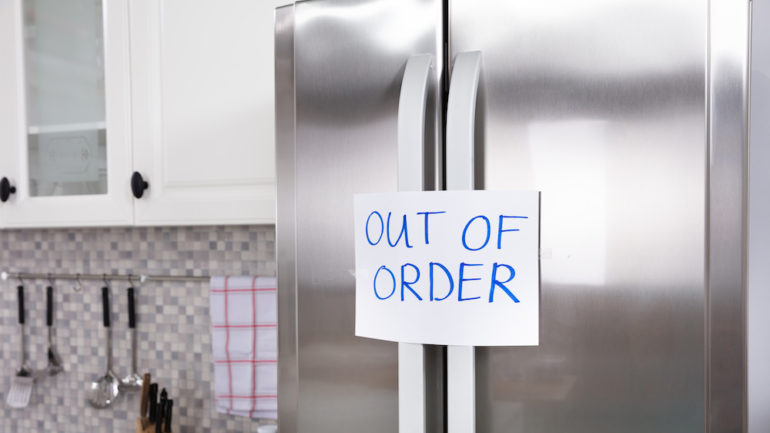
[(64, 72)]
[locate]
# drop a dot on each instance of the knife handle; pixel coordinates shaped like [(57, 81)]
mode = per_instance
[(49, 306), (161, 415), (159, 421), (20, 292), (106, 306), (131, 309), (145, 395), (169, 410), (153, 401)]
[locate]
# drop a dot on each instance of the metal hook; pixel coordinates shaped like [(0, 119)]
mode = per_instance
[(130, 280), (106, 281), (21, 280), (50, 280), (79, 287)]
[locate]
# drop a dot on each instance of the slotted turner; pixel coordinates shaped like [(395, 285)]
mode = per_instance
[(133, 381), (21, 384), (104, 390), (55, 364)]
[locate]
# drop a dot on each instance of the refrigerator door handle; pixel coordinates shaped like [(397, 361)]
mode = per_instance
[(460, 146), (411, 174), (411, 122), (461, 121)]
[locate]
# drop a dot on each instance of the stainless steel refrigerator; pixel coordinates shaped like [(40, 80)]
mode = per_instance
[(632, 120)]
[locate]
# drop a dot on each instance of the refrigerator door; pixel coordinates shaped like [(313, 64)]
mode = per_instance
[(600, 105), (348, 63)]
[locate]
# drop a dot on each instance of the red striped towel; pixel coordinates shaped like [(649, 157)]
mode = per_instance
[(244, 340)]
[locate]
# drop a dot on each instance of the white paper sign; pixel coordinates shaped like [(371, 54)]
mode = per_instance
[(448, 267)]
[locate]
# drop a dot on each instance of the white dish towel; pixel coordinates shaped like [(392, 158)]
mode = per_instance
[(244, 341)]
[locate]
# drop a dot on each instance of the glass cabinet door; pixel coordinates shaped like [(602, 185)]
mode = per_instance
[(65, 97), (65, 143)]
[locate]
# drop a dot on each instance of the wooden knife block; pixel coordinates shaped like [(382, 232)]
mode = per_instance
[(149, 429)]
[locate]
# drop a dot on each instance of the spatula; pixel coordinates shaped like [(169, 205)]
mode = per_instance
[(21, 384)]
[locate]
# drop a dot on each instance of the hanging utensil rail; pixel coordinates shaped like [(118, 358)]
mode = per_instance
[(137, 278)]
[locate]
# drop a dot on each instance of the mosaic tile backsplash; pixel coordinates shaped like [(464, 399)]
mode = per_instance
[(172, 321)]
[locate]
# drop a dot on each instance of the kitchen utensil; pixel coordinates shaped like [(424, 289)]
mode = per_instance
[(21, 384), (153, 402), (161, 411), (133, 381), (103, 391), (55, 365), (159, 422), (169, 411), (145, 400)]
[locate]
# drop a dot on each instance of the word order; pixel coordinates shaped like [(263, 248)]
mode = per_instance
[(385, 281), (422, 282)]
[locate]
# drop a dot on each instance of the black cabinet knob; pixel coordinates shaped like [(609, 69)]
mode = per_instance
[(6, 189), (138, 185)]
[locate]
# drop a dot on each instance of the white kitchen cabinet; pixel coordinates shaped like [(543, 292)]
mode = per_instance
[(95, 93), (65, 124), (203, 122)]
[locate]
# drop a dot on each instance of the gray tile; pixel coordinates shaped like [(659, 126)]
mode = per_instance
[(172, 323)]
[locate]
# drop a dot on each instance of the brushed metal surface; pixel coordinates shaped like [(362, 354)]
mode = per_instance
[(758, 295), (601, 106), (288, 377), (728, 138), (349, 62)]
